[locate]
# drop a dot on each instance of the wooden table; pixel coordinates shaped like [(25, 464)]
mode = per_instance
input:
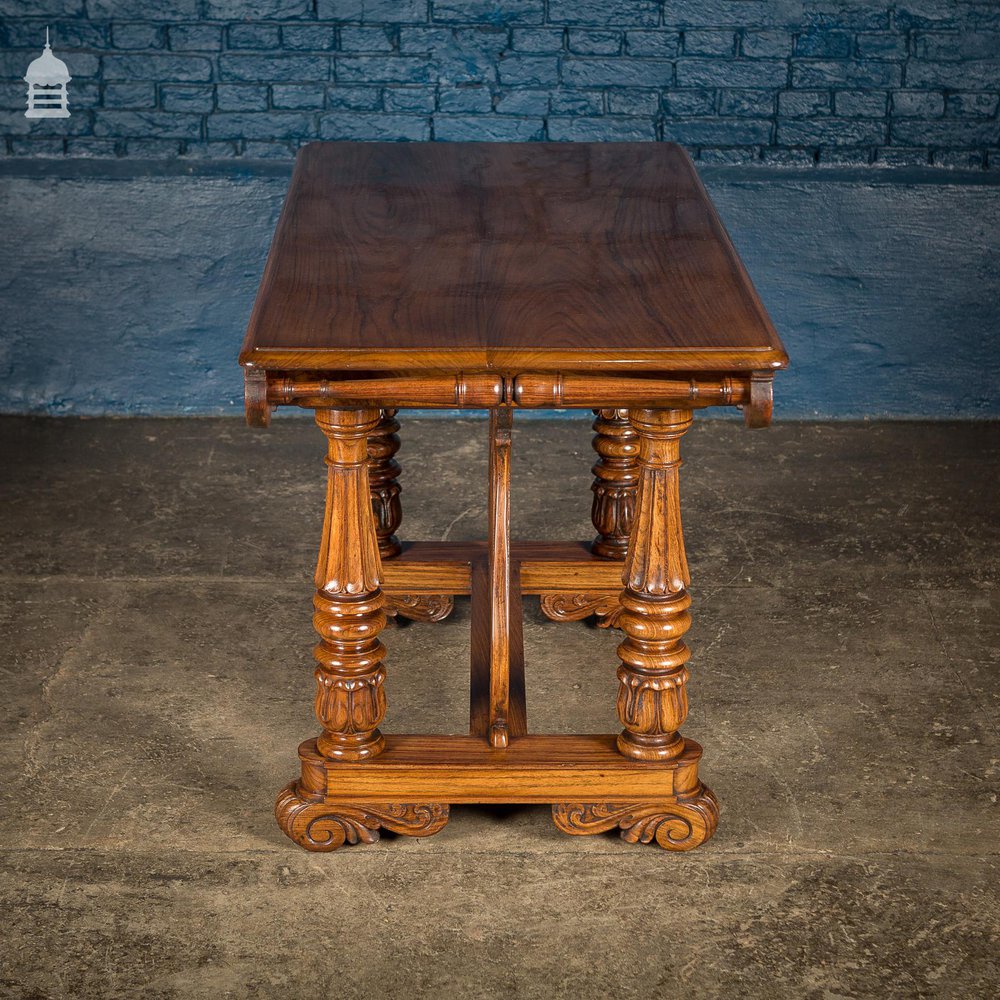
[(503, 276)]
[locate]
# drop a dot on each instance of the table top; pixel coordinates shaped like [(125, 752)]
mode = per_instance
[(541, 256)]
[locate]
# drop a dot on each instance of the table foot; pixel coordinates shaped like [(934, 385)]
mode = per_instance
[(318, 825), (420, 607), (677, 825), (575, 607)]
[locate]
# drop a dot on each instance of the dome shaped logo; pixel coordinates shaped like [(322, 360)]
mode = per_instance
[(47, 78)]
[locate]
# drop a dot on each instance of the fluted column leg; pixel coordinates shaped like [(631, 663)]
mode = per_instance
[(652, 676)]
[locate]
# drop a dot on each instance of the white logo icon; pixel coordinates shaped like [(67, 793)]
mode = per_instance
[(46, 79)]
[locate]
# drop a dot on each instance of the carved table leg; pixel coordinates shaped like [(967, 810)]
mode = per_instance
[(616, 474), (349, 615), (652, 697), (383, 482)]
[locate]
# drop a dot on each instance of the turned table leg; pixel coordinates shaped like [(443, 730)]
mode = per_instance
[(383, 483), (616, 474), (652, 676), (349, 615)]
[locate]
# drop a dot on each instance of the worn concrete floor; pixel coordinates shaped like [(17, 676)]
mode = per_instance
[(156, 680)]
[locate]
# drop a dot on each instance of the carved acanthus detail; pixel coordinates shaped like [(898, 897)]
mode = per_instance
[(575, 607), (420, 607), (679, 825), (317, 825)]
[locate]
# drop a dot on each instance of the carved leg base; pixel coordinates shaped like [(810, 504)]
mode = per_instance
[(678, 825), (420, 607), (576, 607), (318, 825)]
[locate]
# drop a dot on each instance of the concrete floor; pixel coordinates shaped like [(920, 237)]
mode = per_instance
[(156, 644)]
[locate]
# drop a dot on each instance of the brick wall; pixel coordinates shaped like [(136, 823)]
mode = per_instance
[(733, 80)]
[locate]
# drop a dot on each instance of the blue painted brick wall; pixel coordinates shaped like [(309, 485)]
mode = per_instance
[(735, 81)]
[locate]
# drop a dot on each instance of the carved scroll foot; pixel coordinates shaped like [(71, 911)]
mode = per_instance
[(679, 825), (317, 825), (420, 607), (575, 607)]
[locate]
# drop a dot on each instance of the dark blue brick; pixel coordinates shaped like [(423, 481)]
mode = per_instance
[(87, 147), (408, 100), (860, 103), (263, 10), (657, 44), (694, 103), (465, 100), (152, 124), (709, 43), (603, 129), (139, 10), (972, 105), (153, 149), (528, 71), (370, 126), (577, 102), (731, 73), (182, 69), (715, 132), (129, 95), (253, 36), (12, 96), (490, 11), (942, 132), (856, 17), (824, 44), (881, 45), (538, 39), (178, 97), (355, 39), (619, 13), (633, 102), (917, 104), (962, 159), (737, 13), (863, 73), (308, 37), (40, 146), (898, 156), (981, 74), (260, 125), (487, 128), (770, 44), (831, 132), (588, 42), (621, 72), (237, 97), (746, 103), (142, 35), (209, 150), (381, 69), (63, 34), (354, 98), (804, 103), (257, 150), (746, 154), (275, 69), (528, 103), (374, 11), (195, 37), (298, 96), (958, 45)]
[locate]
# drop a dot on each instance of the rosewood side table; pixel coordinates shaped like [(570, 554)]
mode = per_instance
[(503, 276)]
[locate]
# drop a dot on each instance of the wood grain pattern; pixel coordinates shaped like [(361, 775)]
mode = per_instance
[(534, 769), (498, 562), (417, 256), (383, 483), (616, 474)]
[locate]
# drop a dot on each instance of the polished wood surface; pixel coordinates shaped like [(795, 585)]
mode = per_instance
[(417, 256)]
